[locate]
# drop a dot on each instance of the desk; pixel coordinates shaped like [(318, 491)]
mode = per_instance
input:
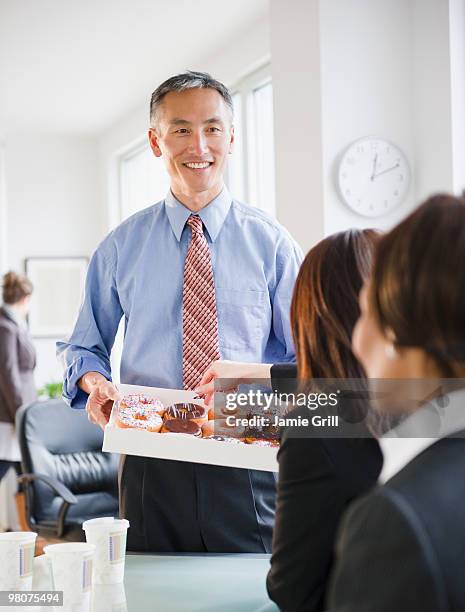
[(194, 582)]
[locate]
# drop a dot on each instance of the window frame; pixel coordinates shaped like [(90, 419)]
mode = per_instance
[(245, 87), (115, 177)]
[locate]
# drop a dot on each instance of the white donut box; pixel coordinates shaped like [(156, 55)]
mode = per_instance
[(183, 447)]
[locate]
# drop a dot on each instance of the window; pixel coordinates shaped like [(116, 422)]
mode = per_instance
[(143, 179), (251, 167)]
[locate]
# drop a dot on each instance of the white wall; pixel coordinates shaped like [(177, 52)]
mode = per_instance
[(366, 65), (53, 208), (431, 95), (296, 70), (52, 199), (457, 58)]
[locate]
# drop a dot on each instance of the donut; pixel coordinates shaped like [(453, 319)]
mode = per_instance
[(142, 402), (211, 414), (154, 423), (183, 426), (187, 412), (131, 418)]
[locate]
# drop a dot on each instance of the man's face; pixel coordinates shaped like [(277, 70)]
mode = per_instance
[(194, 134)]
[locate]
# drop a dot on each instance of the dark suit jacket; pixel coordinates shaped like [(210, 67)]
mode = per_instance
[(17, 363), (402, 548), (318, 478)]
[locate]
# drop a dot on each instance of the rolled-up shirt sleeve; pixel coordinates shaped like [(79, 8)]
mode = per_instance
[(89, 346)]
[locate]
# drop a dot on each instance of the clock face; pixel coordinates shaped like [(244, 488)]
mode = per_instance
[(373, 176)]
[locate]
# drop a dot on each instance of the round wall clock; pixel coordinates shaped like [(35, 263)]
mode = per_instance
[(373, 176)]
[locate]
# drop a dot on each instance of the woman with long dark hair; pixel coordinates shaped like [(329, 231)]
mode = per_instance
[(318, 476)]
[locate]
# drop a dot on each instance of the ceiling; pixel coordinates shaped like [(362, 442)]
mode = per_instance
[(77, 66)]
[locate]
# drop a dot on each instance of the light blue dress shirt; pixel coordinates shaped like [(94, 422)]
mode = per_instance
[(137, 273)]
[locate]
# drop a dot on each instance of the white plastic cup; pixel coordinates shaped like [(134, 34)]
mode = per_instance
[(109, 536), (109, 598), (42, 579), (72, 573), (16, 560)]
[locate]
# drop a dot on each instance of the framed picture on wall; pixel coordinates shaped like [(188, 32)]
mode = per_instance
[(58, 289)]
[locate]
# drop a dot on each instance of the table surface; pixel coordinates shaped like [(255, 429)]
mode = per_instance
[(194, 582)]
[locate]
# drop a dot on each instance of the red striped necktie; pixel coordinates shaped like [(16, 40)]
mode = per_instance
[(199, 317)]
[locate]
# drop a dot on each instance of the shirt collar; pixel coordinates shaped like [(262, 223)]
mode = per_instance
[(212, 215), (403, 443)]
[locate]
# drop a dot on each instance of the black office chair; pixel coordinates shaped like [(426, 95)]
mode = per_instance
[(65, 476)]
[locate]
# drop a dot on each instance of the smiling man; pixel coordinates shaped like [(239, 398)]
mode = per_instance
[(196, 277)]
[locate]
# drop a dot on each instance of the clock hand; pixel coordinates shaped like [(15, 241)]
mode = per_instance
[(387, 170), (373, 173)]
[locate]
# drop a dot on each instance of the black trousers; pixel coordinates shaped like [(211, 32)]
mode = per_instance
[(176, 506)]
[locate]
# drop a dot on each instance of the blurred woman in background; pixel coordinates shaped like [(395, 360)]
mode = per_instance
[(17, 363)]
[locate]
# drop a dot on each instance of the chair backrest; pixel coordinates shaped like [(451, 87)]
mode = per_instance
[(59, 441)]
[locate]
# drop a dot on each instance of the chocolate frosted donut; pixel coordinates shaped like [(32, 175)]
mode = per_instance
[(184, 426), (187, 412)]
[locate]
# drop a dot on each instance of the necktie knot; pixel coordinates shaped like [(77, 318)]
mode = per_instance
[(195, 223)]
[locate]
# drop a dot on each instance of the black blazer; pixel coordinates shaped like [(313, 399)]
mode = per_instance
[(318, 478), (402, 548)]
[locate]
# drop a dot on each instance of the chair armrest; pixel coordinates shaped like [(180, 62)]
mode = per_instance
[(58, 487)]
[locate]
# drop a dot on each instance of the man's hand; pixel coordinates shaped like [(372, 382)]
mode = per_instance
[(102, 394), (230, 375)]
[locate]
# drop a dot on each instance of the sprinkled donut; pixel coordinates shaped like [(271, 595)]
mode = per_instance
[(139, 411), (143, 403), (132, 418)]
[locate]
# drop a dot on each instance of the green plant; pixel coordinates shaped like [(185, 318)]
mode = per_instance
[(51, 390)]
